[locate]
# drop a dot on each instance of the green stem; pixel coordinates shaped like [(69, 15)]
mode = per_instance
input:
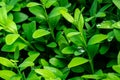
[(90, 60), (27, 43)]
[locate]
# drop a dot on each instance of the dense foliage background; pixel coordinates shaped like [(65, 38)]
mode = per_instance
[(60, 39)]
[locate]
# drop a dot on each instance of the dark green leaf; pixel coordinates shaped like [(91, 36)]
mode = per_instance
[(19, 17)]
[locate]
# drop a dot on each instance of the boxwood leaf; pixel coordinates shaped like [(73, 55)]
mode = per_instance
[(52, 45), (6, 74), (11, 38), (116, 68), (79, 20), (77, 61), (49, 3), (31, 4), (105, 25), (68, 50), (116, 32), (56, 62), (16, 77), (40, 32), (45, 73), (117, 3), (67, 16), (72, 34), (97, 38), (11, 48), (29, 28), (116, 25), (19, 17), (6, 62), (56, 71), (38, 11), (92, 76), (118, 58)]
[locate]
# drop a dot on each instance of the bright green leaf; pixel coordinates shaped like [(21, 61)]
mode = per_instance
[(45, 73), (116, 68), (118, 58), (68, 50), (67, 16), (6, 74), (116, 25), (52, 45), (56, 71), (31, 4), (97, 39), (105, 25), (11, 48), (11, 38), (16, 77), (79, 21), (56, 62), (40, 32), (44, 62), (6, 62), (77, 61), (100, 14), (72, 34), (117, 3), (49, 3), (91, 76), (116, 32)]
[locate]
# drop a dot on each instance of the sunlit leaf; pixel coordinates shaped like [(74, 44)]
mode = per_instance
[(77, 61), (97, 39), (11, 38), (40, 32), (6, 62)]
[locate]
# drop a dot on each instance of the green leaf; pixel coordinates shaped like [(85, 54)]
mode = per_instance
[(56, 11), (29, 28), (33, 76), (100, 14), (79, 21), (112, 76), (105, 25), (38, 11), (68, 50), (6, 62), (11, 38), (25, 64), (6, 74), (116, 32), (20, 17), (104, 49), (43, 1), (44, 62), (77, 61), (116, 25), (11, 48), (117, 3), (92, 76), (77, 69), (16, 53), (116, 68), (16, 77), (71, 34), (56, 62), (118, 58), (40, 32), (97, 38), (52, 45), (29, 61), (31, 4), (67, 16), (45, 73), (56, 71), (49, 3)]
